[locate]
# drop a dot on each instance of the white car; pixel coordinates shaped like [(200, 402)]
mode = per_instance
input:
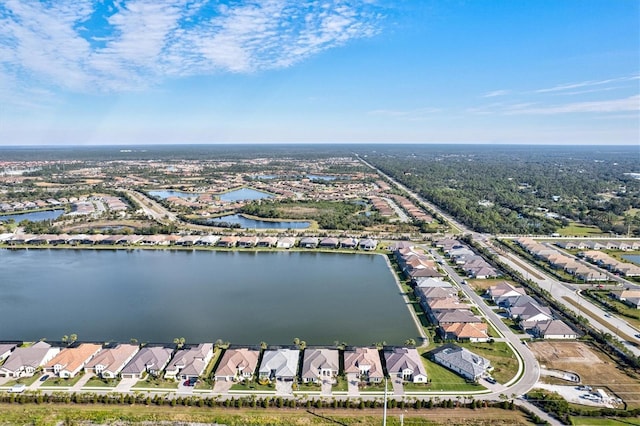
[(19, 388)]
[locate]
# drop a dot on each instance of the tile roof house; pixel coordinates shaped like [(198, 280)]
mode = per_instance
[(442, 318), (365, 364), (529, 314), (237, 365), (148, 360), (23, 362), (349, 243), (70, 361), (247, 242), (267, 242), (406, 363), (227, 241), (109, 362), (286, 242), (368, 244), (502, 292), (309, 242), (462, 361), (554, 329), (471, 332), (281, 364), (5, 350), (329, 242), (189, 363), (319, 365)]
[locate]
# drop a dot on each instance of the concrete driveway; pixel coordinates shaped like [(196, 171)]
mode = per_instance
[(352, 383), (222, 386), (283, 388), (398, 389), (326, 387)]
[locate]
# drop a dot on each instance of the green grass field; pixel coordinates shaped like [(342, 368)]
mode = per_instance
[(603, 421), (577, 230), (503, 360), (443, 379)]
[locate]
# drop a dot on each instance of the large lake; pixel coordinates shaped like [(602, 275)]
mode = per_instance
[(33, 216), (635, 258), (248, 223), (241, 297)]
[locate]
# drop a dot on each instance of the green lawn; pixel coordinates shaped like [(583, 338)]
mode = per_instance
[(57, 381), (503, 360), (416, 387), (579, 230), (604, 421), (98, 382), (309, 387), (251, 386), (446, 380), (378, 387), (24, 380), (156, 383), (341, 384)]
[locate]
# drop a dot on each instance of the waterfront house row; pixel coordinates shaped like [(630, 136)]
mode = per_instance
[(312, 365), (228, 241)]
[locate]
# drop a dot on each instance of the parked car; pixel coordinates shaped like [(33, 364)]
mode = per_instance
[(19, 388), (491, 380), (44, 378)]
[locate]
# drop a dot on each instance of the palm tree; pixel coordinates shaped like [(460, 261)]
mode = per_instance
[(263, 345), (65, 338), (302, 344), (179, 341), (296, 341), (72, 338)]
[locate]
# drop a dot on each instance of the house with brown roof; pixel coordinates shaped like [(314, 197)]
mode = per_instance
[(109, 362), (469, 332), (365, 364), (319, 365), (247, 242), (70, 361), (227, 241), (329, 242), (267, 242), (237, 365)]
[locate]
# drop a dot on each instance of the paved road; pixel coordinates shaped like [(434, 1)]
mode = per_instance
[(151, 208)]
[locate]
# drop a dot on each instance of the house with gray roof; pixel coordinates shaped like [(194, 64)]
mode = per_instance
[(462, 361), (189, 363), (554, 329), (281, 364), (309, 242), (365, 364), (237, 365), (319, 365), (406, 364), (23, 362), (151, 360), (5, 350), (368, 244)]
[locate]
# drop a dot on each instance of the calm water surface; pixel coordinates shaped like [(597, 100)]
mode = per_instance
[(34, 216), (166, 193), (259, 224), (635, 258), (244, 194), (242, 297)]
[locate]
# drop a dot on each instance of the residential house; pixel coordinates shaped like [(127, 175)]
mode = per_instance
[(462, 361), (286, 242), (237, 365), (529, 314), (227, 241), (309, 242), (281, 364), (207, 240), (70, 361), (24, 361), (151, 360), (629, 297), (189, 363), (5, 350), (503, 292), (365, 364), (329, 242), (554, 329), (319, 365), (267, 242), (406, 363), (469, 332), (247, 242), (451, 316), (109, 362), (349, 243), (368, 244), (188, 240)]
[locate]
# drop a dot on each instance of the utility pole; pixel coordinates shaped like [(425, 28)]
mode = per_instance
[(384, 410)]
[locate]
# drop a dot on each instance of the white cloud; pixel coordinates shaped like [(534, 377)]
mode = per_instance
[(56, 44), (631, 103), (496, 93), (591, 83)]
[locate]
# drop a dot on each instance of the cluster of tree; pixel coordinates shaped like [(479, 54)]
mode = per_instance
[(328, 214), (508, 190)]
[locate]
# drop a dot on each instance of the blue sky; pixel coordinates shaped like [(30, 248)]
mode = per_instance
[(203, 71)]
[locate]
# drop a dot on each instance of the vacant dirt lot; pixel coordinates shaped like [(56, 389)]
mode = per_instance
[(594, 368)]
